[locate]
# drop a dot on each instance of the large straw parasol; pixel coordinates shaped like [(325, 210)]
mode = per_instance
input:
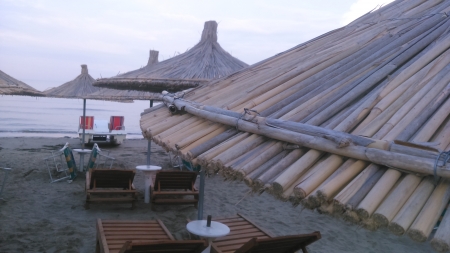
[(12, 86), (114, 94), (80, 88), (353, 123), (207, 60)]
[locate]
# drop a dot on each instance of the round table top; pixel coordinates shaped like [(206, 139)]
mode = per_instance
[(148, 167), (199, 228), (79, 150)]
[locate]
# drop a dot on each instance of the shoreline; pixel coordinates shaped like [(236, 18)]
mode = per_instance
[(38, 216)]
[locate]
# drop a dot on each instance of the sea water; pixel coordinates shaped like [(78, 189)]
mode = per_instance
[(22, 116)]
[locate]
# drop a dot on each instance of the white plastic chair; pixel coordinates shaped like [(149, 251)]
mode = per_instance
[(5, 176)]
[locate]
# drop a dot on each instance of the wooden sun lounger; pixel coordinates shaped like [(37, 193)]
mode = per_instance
[(245, 232), (113, 234), (110, 185), (169, 184), (193, 246), (280, 244)]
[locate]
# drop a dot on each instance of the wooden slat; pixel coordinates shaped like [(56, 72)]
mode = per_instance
[(112, 234)]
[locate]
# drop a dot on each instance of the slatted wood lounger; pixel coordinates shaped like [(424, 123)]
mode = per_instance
[(110, 185), (242, 231), (113, 234), (167, 184)]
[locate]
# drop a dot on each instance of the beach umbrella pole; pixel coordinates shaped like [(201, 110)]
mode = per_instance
[(84, 122), (149, 145), (201, 194)]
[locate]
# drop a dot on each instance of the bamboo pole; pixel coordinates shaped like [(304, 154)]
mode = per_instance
[(393, 203), (200, 141), (271, 173), (441, 239), (342, 198), (421, 229), (210, 154), (409, 211), (326, 168), (351, 169), (252, 176), (367, 207), (296, 170)]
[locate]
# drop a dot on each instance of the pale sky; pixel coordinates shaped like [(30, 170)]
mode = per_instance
[(44, 42)]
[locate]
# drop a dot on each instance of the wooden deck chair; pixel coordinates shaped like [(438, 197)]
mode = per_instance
[(280, 244), (242, 230), (61, 162), (193, 246), (113, 234), (169, 184), (110, 185), (97, 158)]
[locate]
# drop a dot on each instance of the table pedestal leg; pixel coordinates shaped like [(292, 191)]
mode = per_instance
[(81, 167), (208, 249), (148, 184)]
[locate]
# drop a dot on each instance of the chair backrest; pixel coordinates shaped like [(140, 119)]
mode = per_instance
[(188, 246), (71, 165), (281, 244), (116, 123), (88, 123), (175, 179), (93, 157), (111, 178)]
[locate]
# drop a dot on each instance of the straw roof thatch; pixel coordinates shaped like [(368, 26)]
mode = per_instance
[(12, 86), (79, 87), (113, 94), (205, 61), (354, 122)]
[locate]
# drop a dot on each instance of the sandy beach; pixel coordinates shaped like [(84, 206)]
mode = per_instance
[(36, 216)]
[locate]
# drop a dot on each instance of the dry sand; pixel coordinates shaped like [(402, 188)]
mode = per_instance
[(37, 216)]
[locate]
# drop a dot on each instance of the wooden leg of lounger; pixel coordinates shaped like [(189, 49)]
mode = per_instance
[(86, 204), (97, 246), (304, 249)]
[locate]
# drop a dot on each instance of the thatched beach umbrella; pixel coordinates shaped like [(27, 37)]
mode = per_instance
[(206, 61), (354, 122), (12, 86), (80, 88)]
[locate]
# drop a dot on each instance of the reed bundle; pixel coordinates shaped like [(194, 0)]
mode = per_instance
[(353, 123)]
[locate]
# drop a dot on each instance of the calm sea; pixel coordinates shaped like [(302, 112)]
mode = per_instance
[(58, 117)]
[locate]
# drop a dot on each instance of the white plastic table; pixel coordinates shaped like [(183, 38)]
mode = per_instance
[(217, 229), (82, 152), (148, 171)]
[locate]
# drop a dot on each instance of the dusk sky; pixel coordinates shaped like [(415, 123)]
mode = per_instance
[(44, 42)]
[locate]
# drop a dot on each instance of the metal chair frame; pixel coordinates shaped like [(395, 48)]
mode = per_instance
[(56, 162), (100, 155), (175, 160)]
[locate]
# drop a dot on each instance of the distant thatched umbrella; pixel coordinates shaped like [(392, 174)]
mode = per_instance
[(80, 87), (12, 86), (205, 61), (113, 94)]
